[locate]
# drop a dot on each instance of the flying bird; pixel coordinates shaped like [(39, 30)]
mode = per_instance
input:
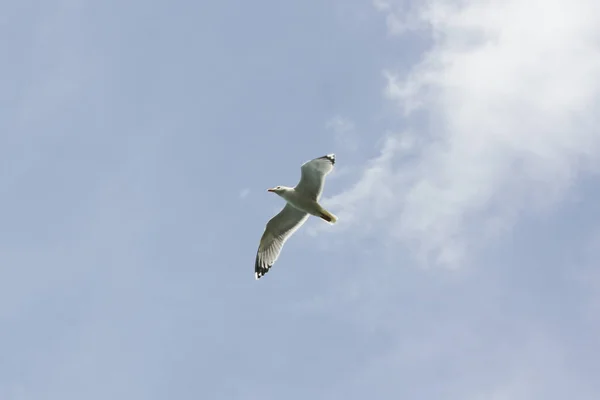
[(301, 201)]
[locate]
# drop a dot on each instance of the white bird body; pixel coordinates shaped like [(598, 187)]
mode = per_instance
[(301, 201)]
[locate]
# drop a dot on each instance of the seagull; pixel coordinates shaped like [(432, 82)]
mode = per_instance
[(301, 201)]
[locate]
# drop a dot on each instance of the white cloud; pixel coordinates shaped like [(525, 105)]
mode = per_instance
[(401, 15), (340, 124), (511, 92), (244, 193), (345, 133)]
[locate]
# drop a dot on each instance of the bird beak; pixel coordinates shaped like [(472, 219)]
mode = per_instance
[(271, 190)]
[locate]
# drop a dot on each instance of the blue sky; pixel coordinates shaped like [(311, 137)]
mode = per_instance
[(137, 141)]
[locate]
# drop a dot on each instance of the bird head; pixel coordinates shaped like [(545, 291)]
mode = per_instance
[(278, 190)]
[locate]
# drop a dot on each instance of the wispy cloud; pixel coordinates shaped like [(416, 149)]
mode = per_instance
[(244, 193), (400, 15), (512, 108), (344, 132)]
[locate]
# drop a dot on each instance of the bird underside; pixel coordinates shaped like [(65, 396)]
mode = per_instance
[(310, 206)]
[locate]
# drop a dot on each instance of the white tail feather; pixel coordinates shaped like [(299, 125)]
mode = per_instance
[(329, 217)]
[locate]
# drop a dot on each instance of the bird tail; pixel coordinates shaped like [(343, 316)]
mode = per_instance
[(327, 216)]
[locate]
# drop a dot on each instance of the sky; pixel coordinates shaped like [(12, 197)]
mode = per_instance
[(137, 141)]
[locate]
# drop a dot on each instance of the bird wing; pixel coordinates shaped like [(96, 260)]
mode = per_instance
[(278, 230), (313, 175)]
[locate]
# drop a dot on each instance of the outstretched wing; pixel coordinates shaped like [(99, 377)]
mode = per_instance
[(278, 230), (313, 175)]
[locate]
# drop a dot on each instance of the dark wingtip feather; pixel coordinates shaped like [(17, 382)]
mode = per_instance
[(260, 268), (330, 157), (260, 273)]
